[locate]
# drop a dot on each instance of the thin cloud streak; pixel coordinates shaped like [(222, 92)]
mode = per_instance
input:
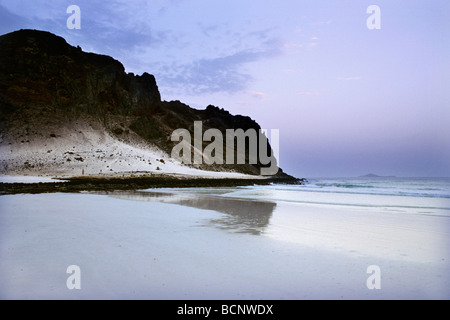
[(222, 74), (354, 78), (308, 93)]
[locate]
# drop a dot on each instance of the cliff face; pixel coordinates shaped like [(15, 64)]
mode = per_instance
[(41, 71), (46, 83)]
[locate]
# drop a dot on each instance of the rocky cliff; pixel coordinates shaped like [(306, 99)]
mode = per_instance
[(50, 89)]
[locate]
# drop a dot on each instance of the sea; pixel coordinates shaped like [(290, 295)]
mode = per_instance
[(409, 187), (409, 195)]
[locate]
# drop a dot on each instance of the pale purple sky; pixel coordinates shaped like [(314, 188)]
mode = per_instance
[(347, 100)]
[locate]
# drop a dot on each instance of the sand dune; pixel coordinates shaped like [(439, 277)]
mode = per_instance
[(88, 150)]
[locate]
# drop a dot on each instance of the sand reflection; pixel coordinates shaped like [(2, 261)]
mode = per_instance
[(240, 215)]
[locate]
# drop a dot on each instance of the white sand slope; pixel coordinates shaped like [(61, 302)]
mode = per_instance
[(88, 150)]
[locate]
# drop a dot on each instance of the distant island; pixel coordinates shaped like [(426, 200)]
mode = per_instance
[(372, 175)]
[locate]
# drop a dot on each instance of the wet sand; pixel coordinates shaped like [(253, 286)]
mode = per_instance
[(161, 244)]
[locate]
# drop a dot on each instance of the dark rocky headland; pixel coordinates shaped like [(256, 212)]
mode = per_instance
[(51, 92)]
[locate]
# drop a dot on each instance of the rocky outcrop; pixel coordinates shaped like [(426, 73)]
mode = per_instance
[(45, 82), (40, 70)]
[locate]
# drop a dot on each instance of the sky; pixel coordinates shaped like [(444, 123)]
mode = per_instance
[(347, 100)]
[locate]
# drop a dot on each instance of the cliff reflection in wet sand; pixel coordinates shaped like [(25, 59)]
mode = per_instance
[(241, 215)]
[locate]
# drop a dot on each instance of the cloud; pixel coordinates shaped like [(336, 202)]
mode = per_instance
[(353, 78), (104, 27), (222, 74), (308, 93), (311, 45), (321, 23), (225, 73), (10, 21), (297, 47), (204, 57), (37, 9), (289, 71), (258, 95), (242, 103), (208, 31)]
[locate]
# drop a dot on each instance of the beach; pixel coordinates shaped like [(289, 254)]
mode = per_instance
[(255, 242), (170, 150)]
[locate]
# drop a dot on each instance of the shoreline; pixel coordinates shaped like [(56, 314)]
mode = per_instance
[(109, 183)]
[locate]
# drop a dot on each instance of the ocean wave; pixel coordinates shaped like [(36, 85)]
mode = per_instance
[(430, 188), (344, 185)]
